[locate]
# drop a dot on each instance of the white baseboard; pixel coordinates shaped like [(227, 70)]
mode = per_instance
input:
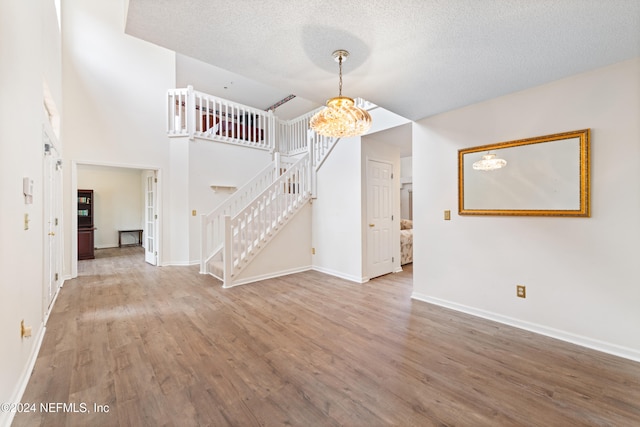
[(179, 264), (107, 246), (6, 418), (271, 275), (605, 347), (341, 275)]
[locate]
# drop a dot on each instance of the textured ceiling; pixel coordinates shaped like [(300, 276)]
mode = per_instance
[(415, 58)]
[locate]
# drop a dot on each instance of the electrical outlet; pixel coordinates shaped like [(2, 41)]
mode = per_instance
[(313, 251), (521, 291)]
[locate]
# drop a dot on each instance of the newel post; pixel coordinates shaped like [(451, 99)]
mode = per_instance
[(203, 244), (190, 110), (228, 251), (274, 144), (277, 160), (312, 162)]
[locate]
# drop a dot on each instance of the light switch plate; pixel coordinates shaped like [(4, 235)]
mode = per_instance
[(447, 215)]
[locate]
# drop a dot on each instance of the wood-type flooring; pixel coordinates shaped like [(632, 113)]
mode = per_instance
[(128, 344)]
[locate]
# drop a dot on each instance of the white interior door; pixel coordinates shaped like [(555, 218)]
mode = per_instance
[(151, 218), (380, 218), (52, 195)]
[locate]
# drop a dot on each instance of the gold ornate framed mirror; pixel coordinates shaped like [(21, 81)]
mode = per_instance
[(542, 176)]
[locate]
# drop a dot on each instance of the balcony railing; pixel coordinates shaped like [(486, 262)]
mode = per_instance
[(196, 114)]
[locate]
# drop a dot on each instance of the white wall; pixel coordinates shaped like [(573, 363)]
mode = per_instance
[(114, 110), (406, 186), (118, 201), (337, 213), (27, 31), (580, 273)]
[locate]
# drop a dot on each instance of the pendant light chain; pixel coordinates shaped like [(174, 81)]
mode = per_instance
[(340, 66)]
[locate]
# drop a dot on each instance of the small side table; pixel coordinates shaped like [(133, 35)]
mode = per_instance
[(137, 232)]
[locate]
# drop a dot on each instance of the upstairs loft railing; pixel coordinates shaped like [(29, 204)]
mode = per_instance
[(195, 114)]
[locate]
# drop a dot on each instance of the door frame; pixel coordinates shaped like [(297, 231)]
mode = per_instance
[(53, 246), (74, 206), (147, 175), (395, 234)]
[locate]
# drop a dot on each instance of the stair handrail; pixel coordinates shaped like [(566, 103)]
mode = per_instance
[(248, 231)]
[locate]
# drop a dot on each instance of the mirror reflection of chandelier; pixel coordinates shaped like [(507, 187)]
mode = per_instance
[(489, 162), (341, 118)]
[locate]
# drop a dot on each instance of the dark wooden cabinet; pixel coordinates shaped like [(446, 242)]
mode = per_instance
[(85, 224), (85, 243)]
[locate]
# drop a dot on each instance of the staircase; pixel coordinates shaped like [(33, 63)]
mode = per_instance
[(236, 231)]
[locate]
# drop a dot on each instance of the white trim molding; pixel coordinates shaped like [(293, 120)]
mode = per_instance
[(580, 340), (341, 275)]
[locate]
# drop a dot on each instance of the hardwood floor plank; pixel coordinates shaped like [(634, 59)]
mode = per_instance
[(167, 346), (315, 384)]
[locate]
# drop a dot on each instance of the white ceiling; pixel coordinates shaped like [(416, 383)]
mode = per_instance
[(415, 58)]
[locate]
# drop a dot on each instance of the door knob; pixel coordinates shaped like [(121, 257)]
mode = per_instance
[(372, 225), (51, 233)]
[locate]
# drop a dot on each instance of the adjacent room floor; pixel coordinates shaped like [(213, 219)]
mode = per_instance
[(134, 345)]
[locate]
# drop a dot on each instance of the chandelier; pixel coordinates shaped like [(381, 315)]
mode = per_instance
[(489, 163), (341, 118)]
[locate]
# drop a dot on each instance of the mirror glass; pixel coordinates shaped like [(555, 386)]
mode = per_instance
[(546, 175)]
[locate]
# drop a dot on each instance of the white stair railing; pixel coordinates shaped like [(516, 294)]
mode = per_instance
[(196, 114), (212, 224), (294, 134), (250, 230), (296, 137)]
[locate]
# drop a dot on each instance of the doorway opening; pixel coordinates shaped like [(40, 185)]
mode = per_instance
[(125, 206)]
